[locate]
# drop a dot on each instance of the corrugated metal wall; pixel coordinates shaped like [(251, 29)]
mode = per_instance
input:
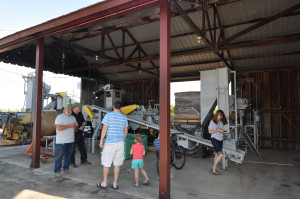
[(276, 94), (140, 92)]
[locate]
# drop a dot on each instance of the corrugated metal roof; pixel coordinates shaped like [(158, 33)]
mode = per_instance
[(188, 55), (264, 50)]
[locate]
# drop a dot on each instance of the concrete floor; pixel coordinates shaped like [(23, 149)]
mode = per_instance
[(275, 175)]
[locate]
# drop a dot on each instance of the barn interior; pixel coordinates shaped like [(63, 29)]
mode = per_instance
[(115, 45)]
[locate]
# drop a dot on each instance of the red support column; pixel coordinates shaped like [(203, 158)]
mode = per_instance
[(39, 63), (164, 96)]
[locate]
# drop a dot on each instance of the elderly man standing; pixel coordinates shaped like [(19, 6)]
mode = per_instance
[(79, 139), (65, 124), (115, 128)]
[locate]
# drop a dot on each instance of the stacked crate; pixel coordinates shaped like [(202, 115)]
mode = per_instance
[(184, 104)]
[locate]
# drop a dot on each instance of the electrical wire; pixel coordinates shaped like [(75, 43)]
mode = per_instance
[(11, 72), (9, 80), (5, 30)]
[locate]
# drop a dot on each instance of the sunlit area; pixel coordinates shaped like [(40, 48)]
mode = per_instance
[(177, 87), (16, 83), (30, 194)]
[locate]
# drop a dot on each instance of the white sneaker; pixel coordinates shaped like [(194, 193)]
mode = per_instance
[(67, 172), (58, 175)]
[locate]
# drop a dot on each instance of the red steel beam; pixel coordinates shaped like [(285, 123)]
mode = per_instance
[(164, 100), (85, 17), (39, 63)]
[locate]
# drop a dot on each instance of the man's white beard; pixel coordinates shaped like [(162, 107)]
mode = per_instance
[(67, 113)]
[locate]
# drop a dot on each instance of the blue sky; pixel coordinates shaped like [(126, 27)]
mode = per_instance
[(18, 15)]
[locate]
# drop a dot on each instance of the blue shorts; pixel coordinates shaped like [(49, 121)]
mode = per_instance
[(138, 163), (218, 145)]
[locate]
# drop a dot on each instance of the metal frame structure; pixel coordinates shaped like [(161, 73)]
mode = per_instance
[(37, 127), (113, 9), (211, 32)]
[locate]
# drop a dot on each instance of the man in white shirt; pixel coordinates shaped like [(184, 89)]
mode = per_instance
[(65, 124)]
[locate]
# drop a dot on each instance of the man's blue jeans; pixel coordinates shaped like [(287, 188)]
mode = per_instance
[(60, 151)]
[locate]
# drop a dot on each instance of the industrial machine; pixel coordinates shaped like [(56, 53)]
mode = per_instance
[(214, 94), (29, 91), (107, 95), (59, 101), (19, 130), (14, 131), (139, 112), (18, 126)]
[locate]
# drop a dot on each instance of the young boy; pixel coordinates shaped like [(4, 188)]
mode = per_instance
[(156, 145)]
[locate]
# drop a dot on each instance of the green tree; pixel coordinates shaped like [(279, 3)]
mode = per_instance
[(172, 110)]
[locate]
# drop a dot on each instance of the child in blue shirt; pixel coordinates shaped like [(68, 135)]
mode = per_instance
[(156, 145)]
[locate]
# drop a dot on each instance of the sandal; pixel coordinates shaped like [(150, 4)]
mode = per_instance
[(136, 185), (114, 188), (214, 172), (146, 182), (218, 172), (100, 186)]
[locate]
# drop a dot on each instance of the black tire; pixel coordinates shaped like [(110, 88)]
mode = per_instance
[(205, 152), (179, 157)]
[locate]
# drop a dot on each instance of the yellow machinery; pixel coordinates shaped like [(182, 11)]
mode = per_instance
[(88, 111), (20, 130), (48, 119), (13, 131), (128, 109)]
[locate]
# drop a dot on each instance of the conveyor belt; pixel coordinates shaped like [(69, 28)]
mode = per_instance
[(236, 156)]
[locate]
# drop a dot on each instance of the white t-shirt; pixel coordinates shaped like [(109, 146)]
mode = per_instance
[(213, 126), (67, 135)]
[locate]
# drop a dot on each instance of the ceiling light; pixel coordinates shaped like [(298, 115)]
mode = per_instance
[(140, 66), (198, 39), (96, 57)]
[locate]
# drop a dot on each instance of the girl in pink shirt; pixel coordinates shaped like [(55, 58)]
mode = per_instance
[(138, 151)]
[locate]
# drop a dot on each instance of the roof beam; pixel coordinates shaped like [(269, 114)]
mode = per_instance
[(297, 13), (263, 42), (137, 43), (246, 44), (216, 61), (148, 19), (113, 63), (222, 34), (114, 47), (80, 19), (259, 24), (200, 33)]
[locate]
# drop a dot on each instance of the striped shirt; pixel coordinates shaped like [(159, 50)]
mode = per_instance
[(156, 144), (116, 123)]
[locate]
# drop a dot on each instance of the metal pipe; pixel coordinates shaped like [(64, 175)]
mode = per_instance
[(235, 106), (279, 139)]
